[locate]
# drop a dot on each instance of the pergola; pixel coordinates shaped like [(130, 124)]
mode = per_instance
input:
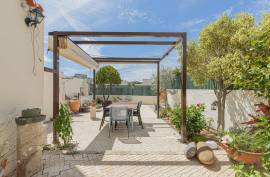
[(179, 38)]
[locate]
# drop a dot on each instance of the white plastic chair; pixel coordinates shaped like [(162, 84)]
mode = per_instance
[(118, 114)]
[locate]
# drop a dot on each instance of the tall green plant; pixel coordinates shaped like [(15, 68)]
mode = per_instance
[(217, 53), (62, 124), (106, 77)]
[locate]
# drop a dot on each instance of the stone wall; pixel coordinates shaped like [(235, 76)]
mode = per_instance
[(21, 74), (30, 141), (8, 143)]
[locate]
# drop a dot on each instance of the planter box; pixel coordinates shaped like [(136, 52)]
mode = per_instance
[(245, 157)]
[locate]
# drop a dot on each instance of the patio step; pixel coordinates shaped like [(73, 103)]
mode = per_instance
[(111, 152)]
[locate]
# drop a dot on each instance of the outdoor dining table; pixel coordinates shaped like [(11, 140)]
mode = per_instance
[(130, 106)]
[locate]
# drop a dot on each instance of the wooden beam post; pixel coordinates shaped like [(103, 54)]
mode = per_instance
[(183, 90), (94, 85), (55, 84), (158, 86)]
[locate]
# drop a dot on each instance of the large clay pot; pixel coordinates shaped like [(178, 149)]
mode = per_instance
[(245, 157), (74, 106)]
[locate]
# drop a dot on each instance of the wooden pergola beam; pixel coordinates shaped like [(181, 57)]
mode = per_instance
[(55, 84), (184, 89), (167, 52), (158, 89), (126, 42), (94, 85), (170, 49), (125, 60), (117, 34)]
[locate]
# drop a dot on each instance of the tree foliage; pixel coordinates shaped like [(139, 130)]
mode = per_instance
[(106, 77), (166, 78), (254, 72), (217, 55)]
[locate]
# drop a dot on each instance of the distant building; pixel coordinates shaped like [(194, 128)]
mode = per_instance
[(75, 85), (147, 82), (82, 76), (135, 82), (124, 82)]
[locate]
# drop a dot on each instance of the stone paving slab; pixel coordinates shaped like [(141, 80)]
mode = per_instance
[(153, 151), (116, 164)]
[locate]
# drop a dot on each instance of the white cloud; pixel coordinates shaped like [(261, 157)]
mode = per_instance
[(53, 8), (141, 72), (260, 7), (75, 24), (132, 15), (71, 70), (92, 50), (228, 11), (191, 23), (78, 26)]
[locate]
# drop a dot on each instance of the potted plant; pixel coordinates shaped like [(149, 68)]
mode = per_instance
[(165, 114), (74, 105), (237, 152), (248, 147)]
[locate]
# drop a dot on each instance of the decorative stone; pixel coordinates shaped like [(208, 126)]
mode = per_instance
[(190, 150), (205, 154), (212, 144), (30, 116), (31, 112), (28, 120)]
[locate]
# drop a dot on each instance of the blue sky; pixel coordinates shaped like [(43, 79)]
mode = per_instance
[(137, 15)]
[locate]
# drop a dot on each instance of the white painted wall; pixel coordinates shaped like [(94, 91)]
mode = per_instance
[(72, 86), (68, 87), (20, 87), (238, 104), (48, 95)]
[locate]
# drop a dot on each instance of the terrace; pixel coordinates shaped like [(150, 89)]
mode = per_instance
[(204, 113), (155, 150)]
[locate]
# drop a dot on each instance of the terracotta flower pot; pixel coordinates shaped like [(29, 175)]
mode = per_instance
[(74, 105), (245, 157)]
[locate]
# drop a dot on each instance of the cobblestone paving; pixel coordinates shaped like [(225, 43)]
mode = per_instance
[(152, 151)]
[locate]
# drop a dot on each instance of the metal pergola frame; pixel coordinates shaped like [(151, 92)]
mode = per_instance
[(181, 38)]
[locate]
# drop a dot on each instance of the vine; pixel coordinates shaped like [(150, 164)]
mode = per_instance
[(62, 124)]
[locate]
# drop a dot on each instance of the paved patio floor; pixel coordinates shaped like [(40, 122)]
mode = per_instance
[(153, 151)]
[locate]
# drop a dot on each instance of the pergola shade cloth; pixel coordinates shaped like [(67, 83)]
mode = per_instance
[(73, 52)]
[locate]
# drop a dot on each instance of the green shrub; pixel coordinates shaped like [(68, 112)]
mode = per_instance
[(62, 124), (175, 116), (165, 112), (195, 119), (242, 170)]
